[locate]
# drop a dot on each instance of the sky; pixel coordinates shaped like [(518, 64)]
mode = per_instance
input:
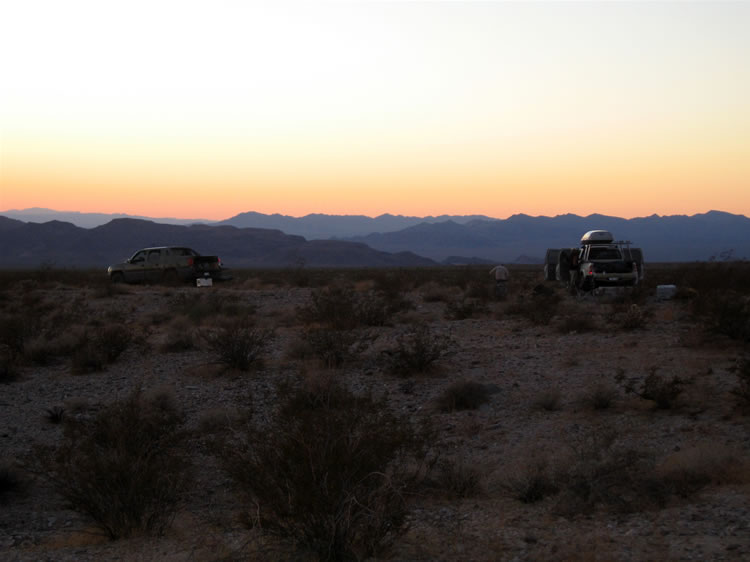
[(207, 109)]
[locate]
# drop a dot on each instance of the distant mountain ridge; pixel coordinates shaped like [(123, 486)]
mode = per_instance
[(698, 237), (471, 239), (86, 220), (62, 244)]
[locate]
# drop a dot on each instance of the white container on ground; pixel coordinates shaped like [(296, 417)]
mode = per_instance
[(207, 282), (665, 292)]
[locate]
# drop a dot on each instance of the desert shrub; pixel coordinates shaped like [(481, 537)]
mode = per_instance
[(634, 318), (548, 400), (685, 472), (576, 321), (180, 337), (123, 467), (663, 391), (95, 350), (12, 483), (15, 331), (455, 479), (340, 307), (334, 348), (55, 415), (600, 397), (328, 472), (742, 390), (728, 314), (238, 344), (434, 292), (331, 306), (600, 471), (417, 351), (464, 308), (9, 371), (539, 308), (530, 480), (463, 395)]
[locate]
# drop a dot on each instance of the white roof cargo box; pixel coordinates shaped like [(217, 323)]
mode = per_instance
[(597, 237)]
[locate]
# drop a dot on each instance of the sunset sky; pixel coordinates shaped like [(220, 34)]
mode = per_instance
[(208, 109)]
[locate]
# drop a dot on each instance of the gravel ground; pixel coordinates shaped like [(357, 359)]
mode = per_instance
[(538, 377)]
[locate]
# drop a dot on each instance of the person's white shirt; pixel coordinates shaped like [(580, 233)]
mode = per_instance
[(500, 272)]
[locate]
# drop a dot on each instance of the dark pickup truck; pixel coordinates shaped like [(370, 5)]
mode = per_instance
[(169, 264)]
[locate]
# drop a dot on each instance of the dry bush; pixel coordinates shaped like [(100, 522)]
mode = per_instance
[(454, 479), (600, 471), (463, 395), (434, 292), (12, 483), (634, 318), (328, 472), (417, 351), (238, 344), (340, 307), (180, 336), (600, 397), (548, 400), (728, 314), (688, 470), (538, 308), (96, 350), (124, 467), (576, 321), (55, 414), (333, 348), (742, 390), (530, 479), (663, 391), (465, 307)]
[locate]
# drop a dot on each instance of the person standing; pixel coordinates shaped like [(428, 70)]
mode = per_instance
[(501, 280)]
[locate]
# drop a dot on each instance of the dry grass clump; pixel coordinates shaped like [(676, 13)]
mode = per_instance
[(340, 307), (12, 483), (576, 321), (124, 467), (530, 479), (662, 390), (742, 390), (548, 400), (599, 397), (634, 318), (417, 351), (99, 348), (454, 479), (238, 343), (332, 348), (180, 336), (538, 307), (463, 395), (465, 307), (328, 472)]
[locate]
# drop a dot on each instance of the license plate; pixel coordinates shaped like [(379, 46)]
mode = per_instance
[(613, 278)]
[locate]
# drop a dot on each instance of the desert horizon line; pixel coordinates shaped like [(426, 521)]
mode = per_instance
[(392, 214)]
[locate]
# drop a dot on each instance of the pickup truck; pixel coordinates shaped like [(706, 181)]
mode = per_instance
[(598, 262), (168, 264)]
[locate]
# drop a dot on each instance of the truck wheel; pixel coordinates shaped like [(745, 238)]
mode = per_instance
[(117, 277), (587, 284)]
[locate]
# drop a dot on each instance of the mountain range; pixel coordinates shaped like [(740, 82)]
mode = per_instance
[(62, 244), (258, 240)]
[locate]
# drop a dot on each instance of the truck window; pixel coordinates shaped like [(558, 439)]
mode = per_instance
[(154, 256), (604, 253)]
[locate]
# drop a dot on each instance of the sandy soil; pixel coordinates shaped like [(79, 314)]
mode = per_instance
[(526, 366)]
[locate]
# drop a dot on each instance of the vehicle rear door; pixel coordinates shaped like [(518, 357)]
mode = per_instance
[(153, 269)]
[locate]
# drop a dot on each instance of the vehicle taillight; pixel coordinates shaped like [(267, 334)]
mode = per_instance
[(190, 261), (591, 269)]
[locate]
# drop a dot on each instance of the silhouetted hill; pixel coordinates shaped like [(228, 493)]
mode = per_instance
[(321, 226), (667, 238), (65, 245), (86, 220)]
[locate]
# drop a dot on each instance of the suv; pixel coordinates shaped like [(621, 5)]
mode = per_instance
[(598, 262), (166, 264)]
